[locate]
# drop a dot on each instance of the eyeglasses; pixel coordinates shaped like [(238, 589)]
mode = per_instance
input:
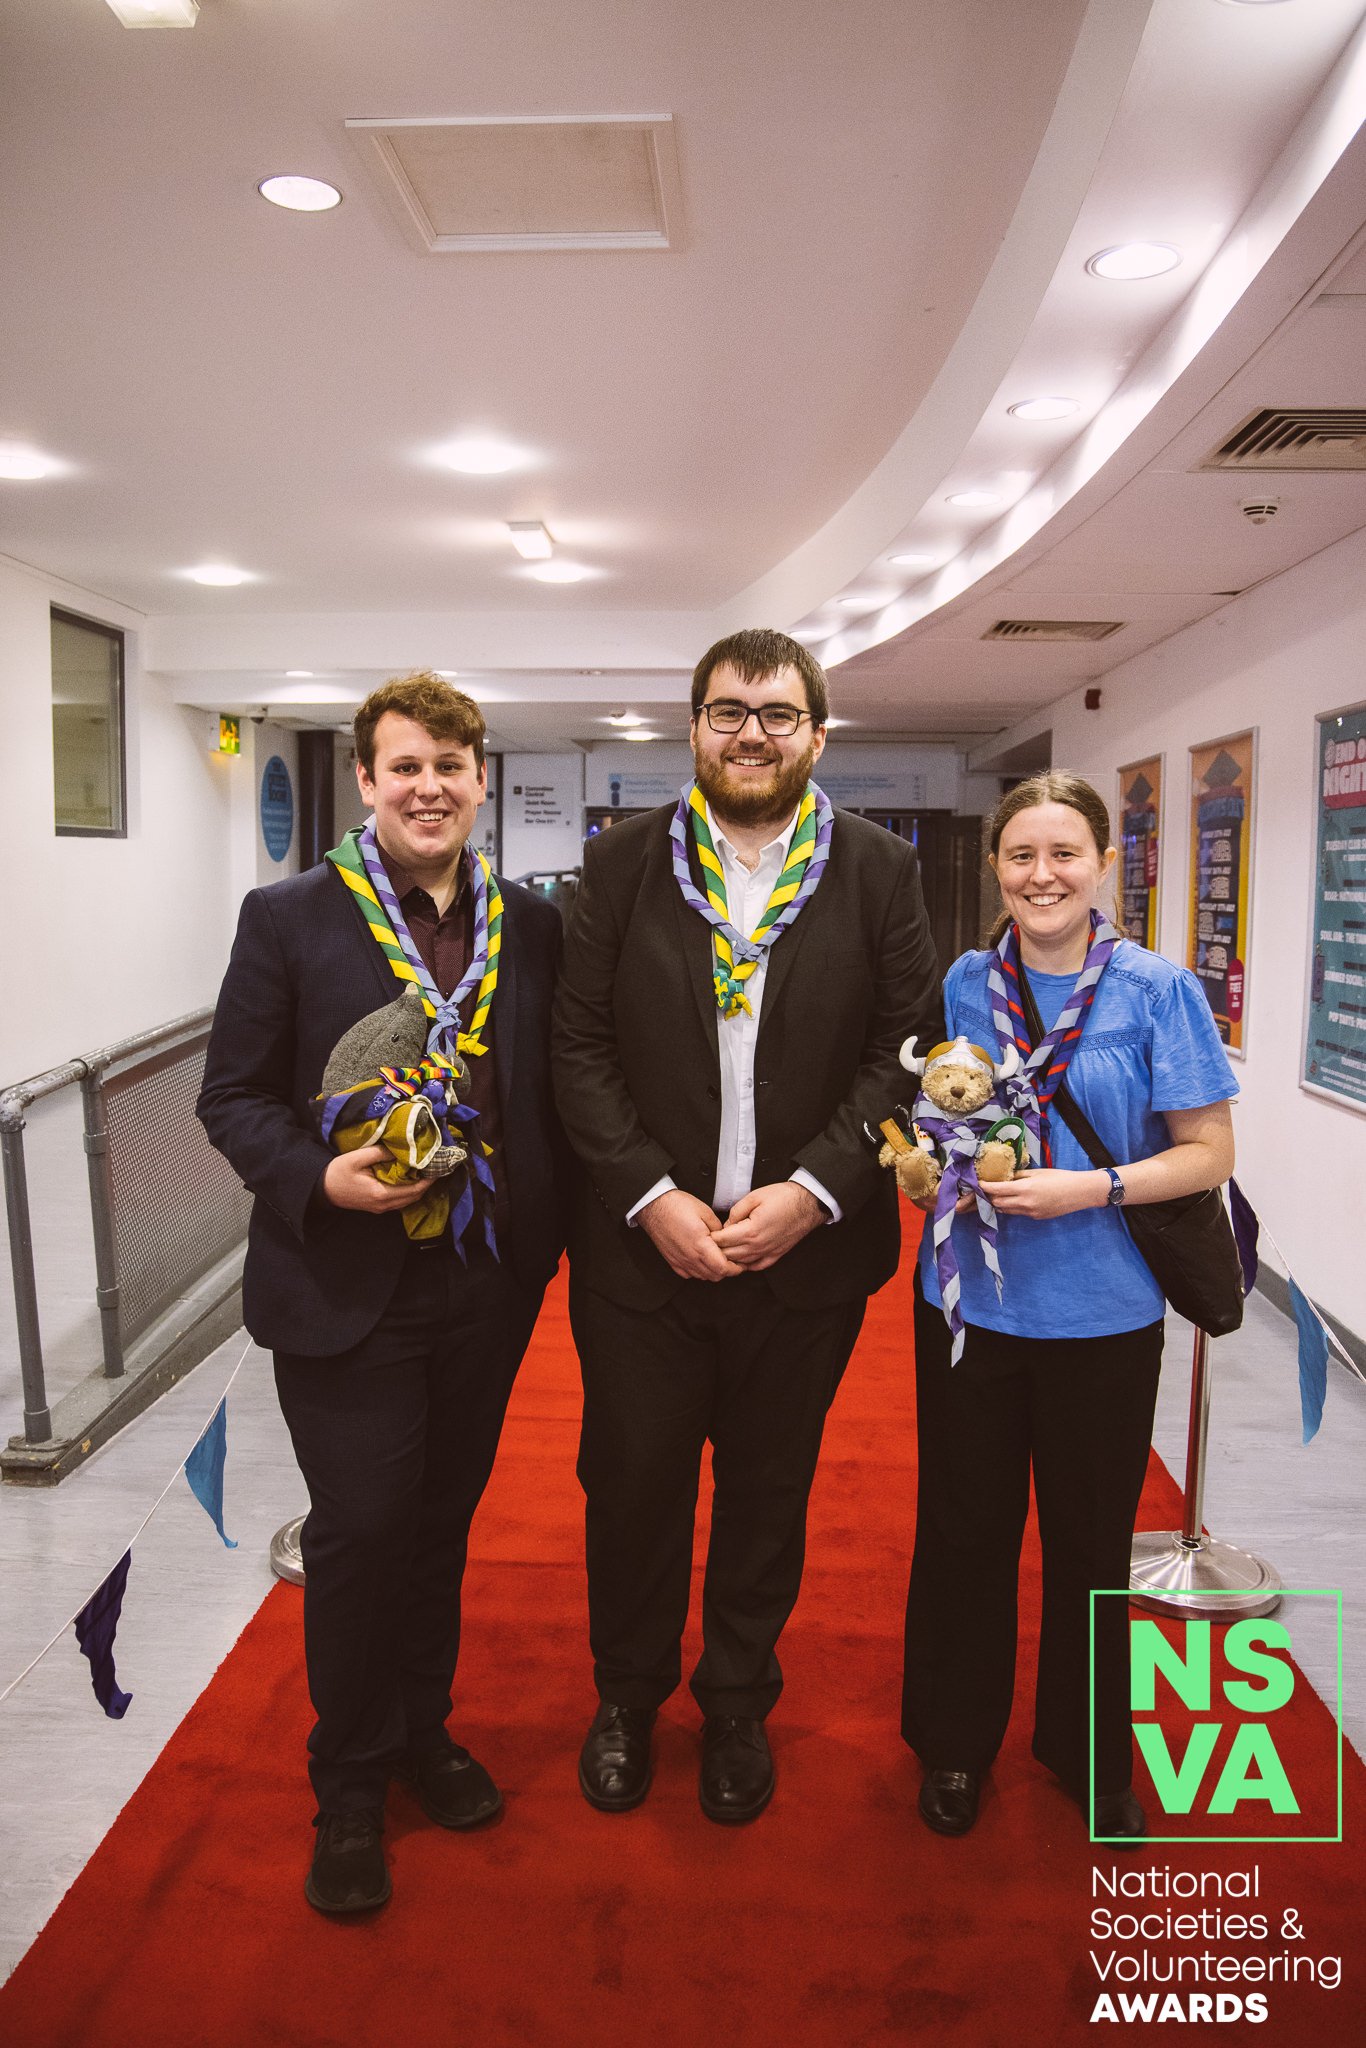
[(779, 721)]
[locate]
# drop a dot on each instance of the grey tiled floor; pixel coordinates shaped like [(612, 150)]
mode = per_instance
[(68, 1770)]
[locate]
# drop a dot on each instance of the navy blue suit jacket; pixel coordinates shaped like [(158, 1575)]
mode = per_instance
[(304, 968)]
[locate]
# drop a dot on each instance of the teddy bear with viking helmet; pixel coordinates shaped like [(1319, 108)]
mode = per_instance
[(957, 1113)]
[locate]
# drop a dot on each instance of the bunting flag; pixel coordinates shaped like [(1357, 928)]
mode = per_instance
[(1313, 1360), (96, 1625), (1246, 1231), (204, 1470)]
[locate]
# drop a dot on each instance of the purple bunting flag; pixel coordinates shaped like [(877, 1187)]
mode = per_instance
[(96, 1625), (1246, 1231)]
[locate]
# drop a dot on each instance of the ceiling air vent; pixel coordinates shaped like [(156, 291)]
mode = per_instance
[(1053, 629), (468, 183), (1334, 439)]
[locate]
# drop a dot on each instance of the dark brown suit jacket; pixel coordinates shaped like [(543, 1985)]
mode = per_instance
[(637, 1072)]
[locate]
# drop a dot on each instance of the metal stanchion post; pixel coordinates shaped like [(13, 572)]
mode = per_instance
[(286, 1559), (1188, 1573)]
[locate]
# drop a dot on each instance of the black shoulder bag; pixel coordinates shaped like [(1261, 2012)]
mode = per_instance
[(1187, 1244)]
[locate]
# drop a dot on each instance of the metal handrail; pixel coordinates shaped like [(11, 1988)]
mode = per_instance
[(87, 1071)]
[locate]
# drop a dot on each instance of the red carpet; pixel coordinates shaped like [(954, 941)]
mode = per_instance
[(836, 1920)]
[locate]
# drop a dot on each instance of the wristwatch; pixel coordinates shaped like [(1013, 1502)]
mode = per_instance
[(1116, 1194)]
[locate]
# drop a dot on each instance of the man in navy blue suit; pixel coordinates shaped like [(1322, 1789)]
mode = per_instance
[(394, 1355)]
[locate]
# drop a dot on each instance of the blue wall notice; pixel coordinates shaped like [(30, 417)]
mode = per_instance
[(277, 808)]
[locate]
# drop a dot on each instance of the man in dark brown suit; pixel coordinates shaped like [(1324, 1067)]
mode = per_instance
[(732, 1218)]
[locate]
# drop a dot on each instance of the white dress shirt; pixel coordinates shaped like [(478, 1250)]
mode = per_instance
[(747, 894)]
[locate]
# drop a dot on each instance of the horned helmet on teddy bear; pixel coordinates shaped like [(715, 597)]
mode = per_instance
[(958, 1080)]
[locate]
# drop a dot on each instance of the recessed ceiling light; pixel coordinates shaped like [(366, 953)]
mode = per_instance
[(23, 465), (217, 574), (530, 539), (640, 735), (623, 718), (480, 455), (1131, 260), (973, 500), (558, 572), (300, 195), (298, 675), (910, 561), (156, 13), (1043, 408), (448, 675)]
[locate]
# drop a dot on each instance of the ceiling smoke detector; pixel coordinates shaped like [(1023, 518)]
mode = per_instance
[(1259, 510)]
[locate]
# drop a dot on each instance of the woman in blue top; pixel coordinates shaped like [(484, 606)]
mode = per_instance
[(1059, 1373)]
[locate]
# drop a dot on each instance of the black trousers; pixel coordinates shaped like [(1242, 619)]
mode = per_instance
[(396, 1440), (723, 1361), (1080, 1410)]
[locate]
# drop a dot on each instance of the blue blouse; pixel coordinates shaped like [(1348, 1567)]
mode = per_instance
[(1150, 1044)]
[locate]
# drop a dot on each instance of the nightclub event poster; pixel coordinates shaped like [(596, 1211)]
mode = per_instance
[(1335, 1019), (1222, 779), (1140, 830)]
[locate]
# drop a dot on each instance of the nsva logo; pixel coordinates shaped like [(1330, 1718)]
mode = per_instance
[(1252, 1772)]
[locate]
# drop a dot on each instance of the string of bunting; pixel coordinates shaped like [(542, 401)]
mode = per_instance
[(1315, 1335), (96, 1620)]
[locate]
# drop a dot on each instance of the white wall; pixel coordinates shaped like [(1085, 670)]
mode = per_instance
[(104, 937), (1273, 659)]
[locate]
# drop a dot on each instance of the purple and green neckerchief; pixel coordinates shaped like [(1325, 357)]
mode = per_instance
[(735, 958), (358, 862), (957, 1139), (1027, 1093)]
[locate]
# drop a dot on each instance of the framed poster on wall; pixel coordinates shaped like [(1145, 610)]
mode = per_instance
[(1140, 830), (1223, 780), (1334, 1061)]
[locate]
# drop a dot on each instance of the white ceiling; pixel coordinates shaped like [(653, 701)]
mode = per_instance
[(886, 208)]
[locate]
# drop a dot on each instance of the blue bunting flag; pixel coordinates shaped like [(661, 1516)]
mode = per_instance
[(204, 1469), (1313, 1361), (96, 1625)]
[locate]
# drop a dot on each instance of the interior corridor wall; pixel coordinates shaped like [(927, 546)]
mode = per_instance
[(103, 937), (1273, 659)]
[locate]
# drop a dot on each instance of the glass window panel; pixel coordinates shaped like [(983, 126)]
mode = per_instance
[(87, 725)]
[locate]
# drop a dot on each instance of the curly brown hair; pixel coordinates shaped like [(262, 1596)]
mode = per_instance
[(430, 702)]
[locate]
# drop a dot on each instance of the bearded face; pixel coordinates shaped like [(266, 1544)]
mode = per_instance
[(751, 777)]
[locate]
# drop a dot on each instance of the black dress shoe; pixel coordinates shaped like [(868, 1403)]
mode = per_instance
[(1120, 1815), (948, 1801), (737, 1768), (451, 1788), (614, 1763), (348, 1873)]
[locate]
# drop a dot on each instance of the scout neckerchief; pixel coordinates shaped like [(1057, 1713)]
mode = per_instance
[(358, 863), (1031, 1090), (957, 1138), (413, 1113), (734, 958)]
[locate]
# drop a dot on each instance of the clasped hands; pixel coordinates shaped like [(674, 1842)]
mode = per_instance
[(762, 1226)]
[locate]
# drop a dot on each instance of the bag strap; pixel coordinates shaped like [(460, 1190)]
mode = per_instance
[(1068, 1108)]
